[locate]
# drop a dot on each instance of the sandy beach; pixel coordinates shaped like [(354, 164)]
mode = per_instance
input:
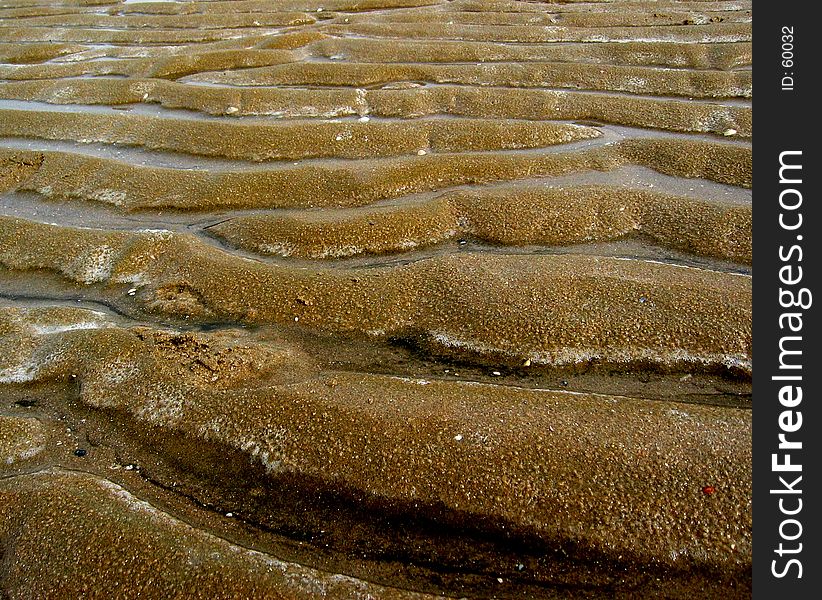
[(392, 299)]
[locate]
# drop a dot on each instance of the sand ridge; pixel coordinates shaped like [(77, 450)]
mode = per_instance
[(508, 215)]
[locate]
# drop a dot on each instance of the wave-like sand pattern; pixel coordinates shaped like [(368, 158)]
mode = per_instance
[(493, 435), (702, 56), (413, 101), (320, 184), (508, 216), (291, 140), (499, 74), (648, 312), (375, 298), (720, 32)]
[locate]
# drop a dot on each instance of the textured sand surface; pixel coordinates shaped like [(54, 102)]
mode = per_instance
[(375, 299)]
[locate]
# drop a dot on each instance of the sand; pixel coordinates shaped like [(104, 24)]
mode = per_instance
[(375, 299)]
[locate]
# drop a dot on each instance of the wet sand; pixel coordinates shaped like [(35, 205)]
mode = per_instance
[(375, 299)]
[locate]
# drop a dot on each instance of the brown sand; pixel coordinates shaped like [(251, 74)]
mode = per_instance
[(670, 115), (548, 309), (375, 299), (696, 56), (552, 465), (21, 440), (291, 140), (500, 74), (356, 184), (204, 386), (508, 216), (84, 508)]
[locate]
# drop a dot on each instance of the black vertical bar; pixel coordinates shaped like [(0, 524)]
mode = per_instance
[(787, 221)]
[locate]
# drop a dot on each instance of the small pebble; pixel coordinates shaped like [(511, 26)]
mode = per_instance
[(132, 291), (421, 152), (729, 132), (499, 579), (229, 515), (231, 110), (364, 119), (458, 437), (527, 362), (496, 373)]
